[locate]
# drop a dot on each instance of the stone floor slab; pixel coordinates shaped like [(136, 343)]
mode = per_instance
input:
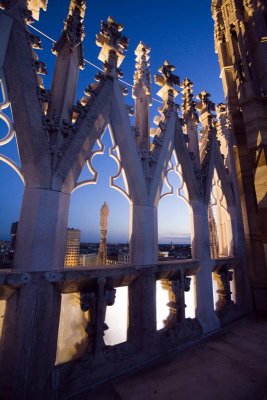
[(229, 366)]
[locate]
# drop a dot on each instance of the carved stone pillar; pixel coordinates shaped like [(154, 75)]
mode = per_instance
[(201, 251), (42, 230), (176, 289), (243, 291), (105, 297), (223, 277), (29, 340), (96, 303), (141, 94), (110, 296), (142, 312), (88, 302), (143, 234), (251, 217)]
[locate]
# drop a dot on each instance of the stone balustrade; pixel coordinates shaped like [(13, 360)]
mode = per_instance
[(33, 306)]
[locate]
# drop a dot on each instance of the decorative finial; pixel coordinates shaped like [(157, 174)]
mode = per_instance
[(215, 5), (221, 108), (142, 80), (205, 107), (104, 212), (167, 80), (74, 24), (35, 5), (73, 32), (188, 105), (30, 8), (205, 104), (250, 4), (112, 43), (223, 124)]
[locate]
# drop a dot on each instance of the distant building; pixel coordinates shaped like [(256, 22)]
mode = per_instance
[(123, 258), (13, 233), (5, 254), (163, 254), (88, 260), (72, 248)]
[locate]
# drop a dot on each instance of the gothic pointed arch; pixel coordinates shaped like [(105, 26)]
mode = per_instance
[(214, 159), (92, 121)]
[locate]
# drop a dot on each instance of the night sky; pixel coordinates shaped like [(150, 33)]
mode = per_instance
[(180, 31)]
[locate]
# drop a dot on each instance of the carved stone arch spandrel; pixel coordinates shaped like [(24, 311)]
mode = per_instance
[(208, 166), (121, 130), (213, 159), (90, 125), (224, 178), (161, 166), (190, 175)]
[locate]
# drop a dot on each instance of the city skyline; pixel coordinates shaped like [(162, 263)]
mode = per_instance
[(190, 50)]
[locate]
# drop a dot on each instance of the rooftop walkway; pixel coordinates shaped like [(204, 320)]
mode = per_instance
[(231, 365)]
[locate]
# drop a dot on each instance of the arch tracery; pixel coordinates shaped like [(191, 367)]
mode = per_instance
[(69, 131)]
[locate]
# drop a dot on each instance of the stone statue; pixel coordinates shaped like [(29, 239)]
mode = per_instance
[(102, 252), (104, 212)]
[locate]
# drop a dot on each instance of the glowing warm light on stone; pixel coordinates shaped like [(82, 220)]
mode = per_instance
[(117, 318), (2, 313), (215, 288), (190, 299), (162, 299), (233, 287), (72, 338)]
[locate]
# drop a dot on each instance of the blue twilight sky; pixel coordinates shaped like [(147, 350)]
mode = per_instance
[(180, 31)]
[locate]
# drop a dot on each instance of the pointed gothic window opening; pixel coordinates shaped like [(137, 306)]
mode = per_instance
[(9, 159), (99, 175), (116, 319), (10, 205), (72, 337), (174, 212), (220, 226), (9, 153), (3, 129)]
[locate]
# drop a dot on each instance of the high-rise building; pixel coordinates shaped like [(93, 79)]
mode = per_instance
[(72, 248), (13, 233)]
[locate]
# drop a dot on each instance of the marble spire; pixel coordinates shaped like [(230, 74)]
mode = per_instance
[(142, 94)]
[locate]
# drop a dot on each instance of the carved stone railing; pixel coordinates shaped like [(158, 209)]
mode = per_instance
[(34, 302), (227, 306)]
